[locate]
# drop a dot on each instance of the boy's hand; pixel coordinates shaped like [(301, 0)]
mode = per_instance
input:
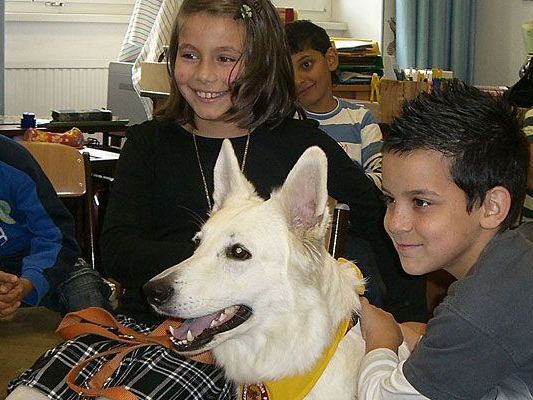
[(412, 332), (12, 290), (7, 281), (379, 328)]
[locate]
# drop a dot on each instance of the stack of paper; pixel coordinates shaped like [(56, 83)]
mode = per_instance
[(358, 60)]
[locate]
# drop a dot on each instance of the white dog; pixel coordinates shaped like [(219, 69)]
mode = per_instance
[(262, 292)]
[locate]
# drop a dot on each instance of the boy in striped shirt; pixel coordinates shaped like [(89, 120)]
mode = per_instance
[(315, 61)]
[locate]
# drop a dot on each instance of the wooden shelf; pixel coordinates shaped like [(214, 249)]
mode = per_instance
[(358, 92)]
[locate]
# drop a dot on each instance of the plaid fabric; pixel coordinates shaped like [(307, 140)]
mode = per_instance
[(151, 372)]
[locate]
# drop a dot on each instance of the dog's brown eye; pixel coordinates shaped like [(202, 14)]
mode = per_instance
[(238, 252)]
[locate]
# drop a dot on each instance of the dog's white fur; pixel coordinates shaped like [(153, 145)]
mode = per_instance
[(298, 293)]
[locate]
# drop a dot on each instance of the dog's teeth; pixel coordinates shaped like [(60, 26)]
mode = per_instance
[(213, 323), (222, 317), (171, 329), (230, 310), (190, 336)]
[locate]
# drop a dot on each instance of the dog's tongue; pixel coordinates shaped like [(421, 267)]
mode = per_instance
[(198, 325), (195, 325)]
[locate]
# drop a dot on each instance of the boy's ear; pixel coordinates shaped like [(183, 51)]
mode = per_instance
[(332, 58), (495, 207)]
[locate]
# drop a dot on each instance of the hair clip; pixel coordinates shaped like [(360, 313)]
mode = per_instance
[(245, 11)]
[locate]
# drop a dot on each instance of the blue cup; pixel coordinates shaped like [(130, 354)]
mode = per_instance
[(28, 120)]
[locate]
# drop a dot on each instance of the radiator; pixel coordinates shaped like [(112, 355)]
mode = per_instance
[(41, 90)]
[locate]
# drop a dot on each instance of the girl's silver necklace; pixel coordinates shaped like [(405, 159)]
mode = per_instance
[(206, 190)]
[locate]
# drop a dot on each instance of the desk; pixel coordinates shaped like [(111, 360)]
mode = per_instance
[(11, 130), (103, 162), (158, 98), (110, 130)]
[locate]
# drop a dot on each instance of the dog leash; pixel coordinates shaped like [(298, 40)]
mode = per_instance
[(97, 321)]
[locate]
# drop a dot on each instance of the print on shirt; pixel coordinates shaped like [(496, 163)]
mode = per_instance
[(5, 210)]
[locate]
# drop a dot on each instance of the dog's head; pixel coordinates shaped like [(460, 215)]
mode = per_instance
[(258, 263)]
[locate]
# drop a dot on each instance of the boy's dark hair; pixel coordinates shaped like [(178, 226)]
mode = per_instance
[(480, 133), (264, 93), (304, 35)]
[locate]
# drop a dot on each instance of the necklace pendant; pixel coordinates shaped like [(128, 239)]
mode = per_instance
[(204, 181)]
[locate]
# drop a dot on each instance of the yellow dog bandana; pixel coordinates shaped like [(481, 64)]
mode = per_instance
[(298, 386)]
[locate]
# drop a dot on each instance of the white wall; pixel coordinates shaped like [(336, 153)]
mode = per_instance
[(97, 43), (57, 56), (60, 47), (62, 43), (499, 46), (363, 18), (51, 41), (498, 56)]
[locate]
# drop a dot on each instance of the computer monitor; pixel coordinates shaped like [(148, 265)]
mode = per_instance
[(122, 99)]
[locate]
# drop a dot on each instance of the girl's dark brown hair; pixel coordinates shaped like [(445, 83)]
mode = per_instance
[(264, 92)]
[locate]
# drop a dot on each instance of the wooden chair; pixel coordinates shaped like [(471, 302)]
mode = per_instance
[(69, 170)]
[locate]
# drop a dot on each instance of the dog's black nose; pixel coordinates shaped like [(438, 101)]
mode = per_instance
[(157, 292)]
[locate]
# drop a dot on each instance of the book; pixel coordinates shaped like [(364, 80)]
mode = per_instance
[(287, 14), (349, 45), (361, 68), (85, 124), (82, 115), (375, 61)]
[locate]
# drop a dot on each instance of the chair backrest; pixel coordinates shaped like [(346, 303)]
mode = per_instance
[(70, 173), (63, 165)]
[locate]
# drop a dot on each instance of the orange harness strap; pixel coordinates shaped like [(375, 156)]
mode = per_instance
[(98, 321)]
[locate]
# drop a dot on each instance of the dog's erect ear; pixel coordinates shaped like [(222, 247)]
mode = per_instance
[(305, 192), (228, 178)]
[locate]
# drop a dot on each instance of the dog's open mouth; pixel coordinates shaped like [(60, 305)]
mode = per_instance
[(195, 333)]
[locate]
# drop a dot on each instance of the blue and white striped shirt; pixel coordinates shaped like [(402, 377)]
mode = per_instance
[(357, 131)]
